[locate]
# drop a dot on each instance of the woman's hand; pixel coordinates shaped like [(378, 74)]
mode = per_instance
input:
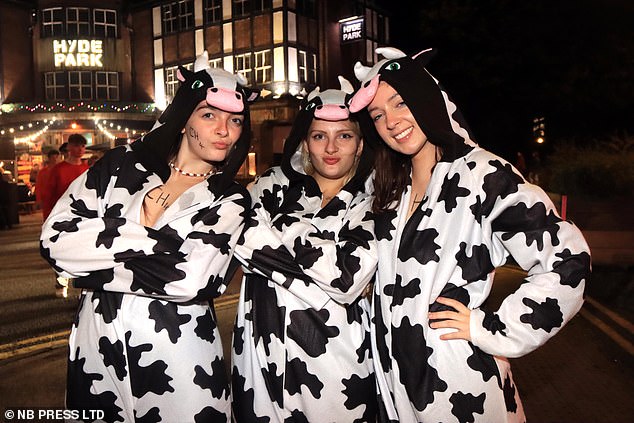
[(458, 319)]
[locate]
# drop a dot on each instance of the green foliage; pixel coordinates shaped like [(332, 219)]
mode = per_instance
[(603, 168)]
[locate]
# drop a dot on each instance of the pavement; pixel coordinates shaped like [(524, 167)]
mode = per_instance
[(584, 374)]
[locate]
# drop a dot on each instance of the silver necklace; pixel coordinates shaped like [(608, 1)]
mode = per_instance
[(192, 174)]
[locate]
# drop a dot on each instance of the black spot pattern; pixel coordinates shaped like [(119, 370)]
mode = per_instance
[(419, 245), (533, 222), (144, 379), (572, 268), (216, 382), (509, 394), (412, 354), (205, 326), (451, 191), (478, 266), (113, 355), (466, 405), (309, 330), (165, 315), (297, 375), (493, 324), (79, 395), (243, 401), (546, 315), (357, 391), (485, 364), (500, 183), (153, 415)]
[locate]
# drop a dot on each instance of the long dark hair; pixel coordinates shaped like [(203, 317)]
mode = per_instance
[(391, 177)]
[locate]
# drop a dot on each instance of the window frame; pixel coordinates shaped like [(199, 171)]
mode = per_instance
[(110, 30), (111, 85), (212, 11), (51, 27), (80, 85), (59, 85), (262, 67), (246, 59)]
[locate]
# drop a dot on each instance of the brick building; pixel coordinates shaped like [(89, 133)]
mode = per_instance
[(107, 69)]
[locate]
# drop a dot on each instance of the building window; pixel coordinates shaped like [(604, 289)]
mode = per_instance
[(77, 21), (216, 63), (212, 11), (261, 5), (52, 22), (107, 85), (307, 63), (80, 85), (240, 8), (178, 16), (243, 65), (262, 66), (307, 8), (105, 23), (55, 85), (171, 80)]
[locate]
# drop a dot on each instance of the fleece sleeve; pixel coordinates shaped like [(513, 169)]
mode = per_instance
[(523, 223), (318, 258), (103, 251)]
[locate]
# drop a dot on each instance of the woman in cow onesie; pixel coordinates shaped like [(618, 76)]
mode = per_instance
[(301, 346), (450, 213), (148, 232)]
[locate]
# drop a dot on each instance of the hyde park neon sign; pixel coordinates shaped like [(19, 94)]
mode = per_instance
[(72, 53)]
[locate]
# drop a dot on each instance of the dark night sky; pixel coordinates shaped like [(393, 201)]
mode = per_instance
[(506, 62)]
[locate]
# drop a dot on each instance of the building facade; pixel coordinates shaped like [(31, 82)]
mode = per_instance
[(107, 69)]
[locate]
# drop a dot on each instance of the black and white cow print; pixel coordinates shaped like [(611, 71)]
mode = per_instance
[(145, 344), (301, 345), (477, 211)]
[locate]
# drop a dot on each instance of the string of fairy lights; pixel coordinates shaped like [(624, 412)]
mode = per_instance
[(39, 128)]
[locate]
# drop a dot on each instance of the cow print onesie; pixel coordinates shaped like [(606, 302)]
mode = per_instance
[(301, 347), (145, 345), (477, 211)]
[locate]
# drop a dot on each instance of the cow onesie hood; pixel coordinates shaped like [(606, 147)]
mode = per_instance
[(221, 89), (145, 345), (302, 330), (477, 212)]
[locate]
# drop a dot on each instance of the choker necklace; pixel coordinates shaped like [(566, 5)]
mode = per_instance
[(193, 175)]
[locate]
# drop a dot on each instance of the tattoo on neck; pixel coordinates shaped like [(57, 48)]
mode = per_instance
[(416, 201), (162, 199)]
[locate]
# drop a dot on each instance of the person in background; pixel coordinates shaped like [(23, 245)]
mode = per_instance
[(450, 212), (42, 184), (148, 233), (301, 348), (65, 172)]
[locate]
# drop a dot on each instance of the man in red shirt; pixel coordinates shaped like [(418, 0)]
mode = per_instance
[(60, 177), (65, 172), (43, 185)]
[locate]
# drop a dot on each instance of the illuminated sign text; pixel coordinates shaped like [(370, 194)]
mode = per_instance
[(352, 30), (71, 53)]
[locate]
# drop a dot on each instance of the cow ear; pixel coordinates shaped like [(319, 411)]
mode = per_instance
[(182, 74), (251, 94), (424, 57)]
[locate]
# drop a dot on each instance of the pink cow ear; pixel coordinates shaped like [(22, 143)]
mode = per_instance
[(180, 76)]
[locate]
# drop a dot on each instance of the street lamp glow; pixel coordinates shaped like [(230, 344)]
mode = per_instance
[(540, 140)]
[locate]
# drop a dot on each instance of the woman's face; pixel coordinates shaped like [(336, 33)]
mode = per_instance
[(394, 121), (210, 133), (333, 147)]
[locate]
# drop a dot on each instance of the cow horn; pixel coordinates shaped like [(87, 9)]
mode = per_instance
[(361, 71), (346, 86)]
